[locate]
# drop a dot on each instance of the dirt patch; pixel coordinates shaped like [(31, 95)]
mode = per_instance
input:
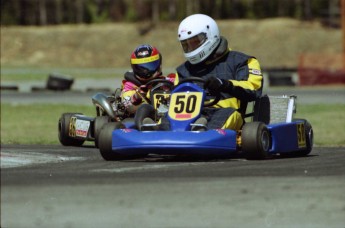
[(275, 42)]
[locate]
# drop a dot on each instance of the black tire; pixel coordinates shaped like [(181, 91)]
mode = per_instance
[(105, 141), (145, 110), (256, 140), (59, 82), (63, 129), (98, 124)]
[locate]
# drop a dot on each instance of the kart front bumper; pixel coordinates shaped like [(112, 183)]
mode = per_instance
[(133, 142)]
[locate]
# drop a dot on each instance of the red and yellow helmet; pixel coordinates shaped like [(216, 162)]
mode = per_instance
[(146, 62)]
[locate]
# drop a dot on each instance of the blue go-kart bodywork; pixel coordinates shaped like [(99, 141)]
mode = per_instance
[(256, 140)]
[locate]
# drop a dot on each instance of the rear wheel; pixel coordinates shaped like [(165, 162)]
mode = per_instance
[(256, 140), (63, 131), (98, 124), (105, 141)]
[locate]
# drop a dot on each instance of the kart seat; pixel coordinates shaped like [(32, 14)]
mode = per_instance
[(270, 109), (260, 111)]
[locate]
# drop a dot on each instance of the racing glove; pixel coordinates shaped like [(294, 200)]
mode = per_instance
[(214, 85), (137, 97)]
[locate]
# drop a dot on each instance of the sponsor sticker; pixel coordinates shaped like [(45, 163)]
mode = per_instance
[(301, 137), (143, 53), (81, 128), (221, 131), (183, 116), (126, 130), (255, 71), (71, 130)]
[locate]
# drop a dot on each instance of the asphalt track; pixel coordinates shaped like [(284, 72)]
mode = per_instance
[(56, 186)]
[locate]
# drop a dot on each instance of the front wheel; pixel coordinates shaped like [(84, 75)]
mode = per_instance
[(98, 124), (64, 128), (105, 139), (256, 140)]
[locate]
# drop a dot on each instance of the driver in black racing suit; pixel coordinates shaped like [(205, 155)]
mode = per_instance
[(236, 75)]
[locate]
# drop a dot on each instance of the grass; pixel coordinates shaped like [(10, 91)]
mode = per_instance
[(27, 124), (327, 121), (276, 42)]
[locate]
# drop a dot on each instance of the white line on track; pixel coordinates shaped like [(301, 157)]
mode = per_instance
[(153, 167), (9, 160)]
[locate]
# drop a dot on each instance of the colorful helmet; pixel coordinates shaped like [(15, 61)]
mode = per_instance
[(146, 62), (199, 37)]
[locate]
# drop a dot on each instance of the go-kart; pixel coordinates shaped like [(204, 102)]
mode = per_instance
[(176, 115), (76, 128)]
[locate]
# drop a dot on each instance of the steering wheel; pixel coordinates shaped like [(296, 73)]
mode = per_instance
[(201, 80), (157, 84), (160, 82)]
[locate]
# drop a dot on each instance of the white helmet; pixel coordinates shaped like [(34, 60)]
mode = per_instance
[(199, 36)]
